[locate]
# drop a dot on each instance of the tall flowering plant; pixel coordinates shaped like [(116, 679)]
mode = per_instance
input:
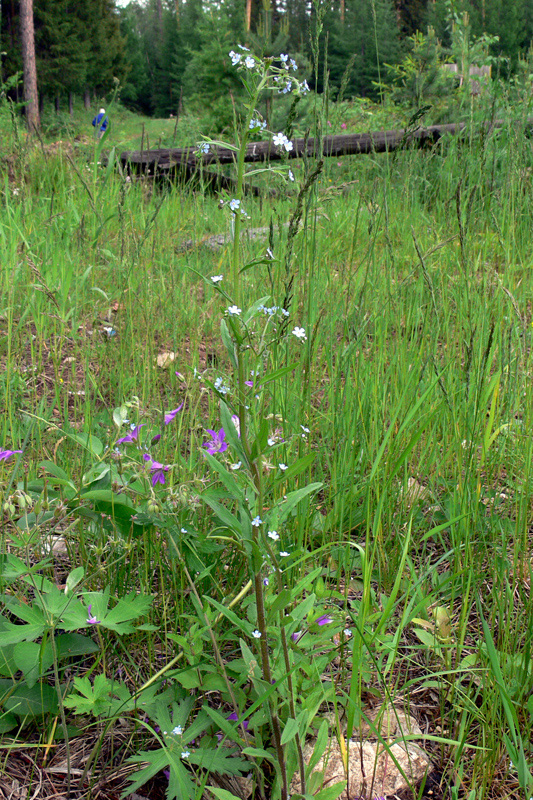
[(251, 455)]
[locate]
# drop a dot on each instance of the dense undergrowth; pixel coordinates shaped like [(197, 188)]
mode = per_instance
[(343, 417)]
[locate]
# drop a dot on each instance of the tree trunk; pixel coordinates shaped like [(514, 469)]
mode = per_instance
[(87, 99), (57, 105), (28, 60)]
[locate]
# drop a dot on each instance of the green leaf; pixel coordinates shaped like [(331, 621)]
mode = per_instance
[(225, 476), (257, 752), (228, 343), (222, 794), (7, 722), (74, 578), (33, 660), (290, 730), (252, 311), (90, 443), (70, 645), (331, 792), (293, 498), (36, 701)]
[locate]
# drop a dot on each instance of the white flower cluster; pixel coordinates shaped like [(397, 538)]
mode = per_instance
[(280, 140)]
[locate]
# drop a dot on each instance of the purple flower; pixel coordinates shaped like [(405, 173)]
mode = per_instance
[(132, 436), (325, 619), (295, 636), (217, 443), (158, 470), (234, 718), (92, 619), (6, 454), (249, 383), (169, 417)]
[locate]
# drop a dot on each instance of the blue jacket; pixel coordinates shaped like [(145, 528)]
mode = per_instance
[(97, 122)]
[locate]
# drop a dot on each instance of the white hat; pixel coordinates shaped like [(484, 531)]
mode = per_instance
[(102, 111)]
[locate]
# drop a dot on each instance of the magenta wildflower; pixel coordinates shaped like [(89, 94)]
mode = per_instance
[(91, 619), (132, 436), (217, 443), (249, 383), (158, 470), (325, 619), (6, 454), (169, 417)]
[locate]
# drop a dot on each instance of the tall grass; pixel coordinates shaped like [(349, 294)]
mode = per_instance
[(411, 274)]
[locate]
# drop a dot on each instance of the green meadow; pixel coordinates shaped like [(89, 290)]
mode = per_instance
[(337, 515)]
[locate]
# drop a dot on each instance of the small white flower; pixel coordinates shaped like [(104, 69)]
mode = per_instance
[(219, 386), (274, 535), (299, 333), (184, 530), (242, 47), (238, 465), (283, 467), (185, 754), (235, 57), (290, 173), (280, 140), (284, 57), (271, 442), (285, 312), (284, 554), (305, 430), (234, 204), (347, 632), (234, 311), (216, 278), (249, 62), (178, 730), (256, 634), (15, 191), (304, 88), (270, 254), (257, 521)]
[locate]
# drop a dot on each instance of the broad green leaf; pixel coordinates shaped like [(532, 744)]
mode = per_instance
[(88, 442), (41, 699), (7, 722), (289, 731), (293, 498), (69, 645), (74, 578), (222, 794), (33, 660), (228, 343)]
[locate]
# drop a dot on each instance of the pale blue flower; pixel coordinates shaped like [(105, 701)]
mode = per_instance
[(178, 730), (234, 311), (274, 535), (236, 466), (185, 754), (235, 57), (257, 521), (204, 147), (234, 204), (271, 442), (249, 62), (256, 634)]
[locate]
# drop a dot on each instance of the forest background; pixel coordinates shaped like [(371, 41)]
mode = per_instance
[(164, 56)]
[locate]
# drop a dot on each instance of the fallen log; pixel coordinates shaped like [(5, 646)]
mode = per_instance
[(187, 159)]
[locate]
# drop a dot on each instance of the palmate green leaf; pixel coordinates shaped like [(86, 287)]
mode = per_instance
[(12, 634), (220, 759), (119, 617), (180, 785)]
